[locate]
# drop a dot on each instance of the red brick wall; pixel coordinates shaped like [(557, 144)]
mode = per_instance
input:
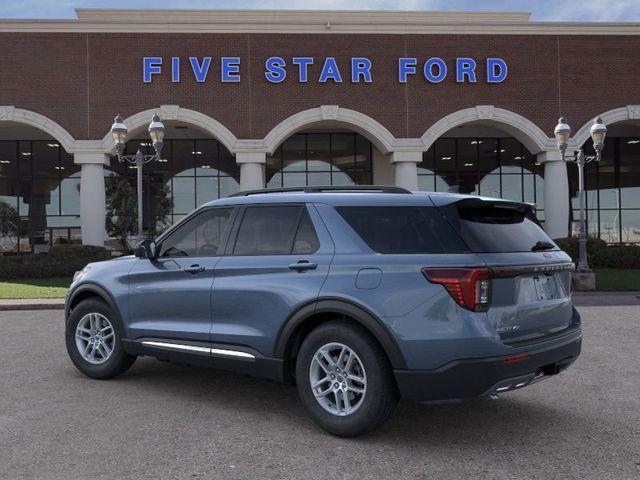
[(82, 80)]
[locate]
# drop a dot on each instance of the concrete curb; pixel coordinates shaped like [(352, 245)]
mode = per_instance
[(32, 304)]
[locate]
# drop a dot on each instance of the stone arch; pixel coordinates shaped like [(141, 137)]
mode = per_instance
[(629, 112), (10, 113), (177, 113), (527, 132), (373, 130)]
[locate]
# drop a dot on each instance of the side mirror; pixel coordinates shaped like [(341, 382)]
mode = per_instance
[(146, 249)]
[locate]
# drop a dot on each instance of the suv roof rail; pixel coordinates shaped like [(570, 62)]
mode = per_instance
[(327, 188)]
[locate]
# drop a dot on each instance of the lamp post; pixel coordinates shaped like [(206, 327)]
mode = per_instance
[(562, 133), (119, 133)]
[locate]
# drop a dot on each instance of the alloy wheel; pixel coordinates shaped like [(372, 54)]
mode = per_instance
[(338, 379), (95, 338)]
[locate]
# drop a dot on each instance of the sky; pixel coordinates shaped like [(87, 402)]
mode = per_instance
[(542, 10)]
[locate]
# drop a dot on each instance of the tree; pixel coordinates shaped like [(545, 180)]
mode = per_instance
[(122, 209), (9, 221)]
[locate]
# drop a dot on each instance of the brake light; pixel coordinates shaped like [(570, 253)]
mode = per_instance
[(469, 287)]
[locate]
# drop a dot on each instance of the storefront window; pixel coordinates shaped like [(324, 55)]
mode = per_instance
[(192, 172), (320, 159), (612, 188), (39, 196), (493, 167)]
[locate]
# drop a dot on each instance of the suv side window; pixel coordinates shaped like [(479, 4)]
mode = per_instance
[(403, 230), (200, 236), (306, 241), (275, 230)]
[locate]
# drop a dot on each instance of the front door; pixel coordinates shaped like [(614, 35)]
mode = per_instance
[(170, 296), (277, 259)]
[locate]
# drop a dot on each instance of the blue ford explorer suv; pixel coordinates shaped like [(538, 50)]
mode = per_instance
[(359, 295)]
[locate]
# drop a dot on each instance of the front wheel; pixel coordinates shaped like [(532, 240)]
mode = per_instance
[(94, 340), (344, 379)]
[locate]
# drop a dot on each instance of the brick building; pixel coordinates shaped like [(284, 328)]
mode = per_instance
[(430, 101)]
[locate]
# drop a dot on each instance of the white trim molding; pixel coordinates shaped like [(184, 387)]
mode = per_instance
[(179, 114), (10, 113), (629, 112), (521, 128), (363, 124), (196, 21)]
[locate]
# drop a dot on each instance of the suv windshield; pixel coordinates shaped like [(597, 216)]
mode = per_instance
[(495, 227), (403, 230)]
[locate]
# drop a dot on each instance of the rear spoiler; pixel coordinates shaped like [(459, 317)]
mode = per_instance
[(468, 200)]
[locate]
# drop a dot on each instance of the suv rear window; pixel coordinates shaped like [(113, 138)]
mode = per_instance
[(496, 227), (403, 230)]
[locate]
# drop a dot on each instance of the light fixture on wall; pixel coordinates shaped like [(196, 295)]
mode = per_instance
[(562, 133), (119, 133)]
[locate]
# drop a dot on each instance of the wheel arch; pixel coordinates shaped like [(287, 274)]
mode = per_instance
[(313, 314), (89, 290)]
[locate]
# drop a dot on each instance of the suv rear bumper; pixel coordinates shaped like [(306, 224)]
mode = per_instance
[(471, 378)]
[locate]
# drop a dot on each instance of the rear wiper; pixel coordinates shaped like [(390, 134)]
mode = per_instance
[(542, 246)]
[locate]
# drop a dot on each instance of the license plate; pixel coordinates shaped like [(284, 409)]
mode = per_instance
[(545, 287)]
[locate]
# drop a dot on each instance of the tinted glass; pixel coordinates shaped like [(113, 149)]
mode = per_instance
[(306, 241), (321, 159), (403, 229), (267, 230), (198, 237), (490, 227)]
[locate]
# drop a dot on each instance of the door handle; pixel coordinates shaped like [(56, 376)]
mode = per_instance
[(193, 269), (303, 265)]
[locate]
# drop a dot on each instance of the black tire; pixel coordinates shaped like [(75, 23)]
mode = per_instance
[(119, 361), (381, 394)]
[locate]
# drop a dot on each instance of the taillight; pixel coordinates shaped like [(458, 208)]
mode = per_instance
[(469, 287)]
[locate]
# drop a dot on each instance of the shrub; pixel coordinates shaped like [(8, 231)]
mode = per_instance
[(61, 261), (570, 245), (599, 254), (618, 256)]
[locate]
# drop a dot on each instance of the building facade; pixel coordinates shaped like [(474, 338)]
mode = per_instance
[(464, 102)]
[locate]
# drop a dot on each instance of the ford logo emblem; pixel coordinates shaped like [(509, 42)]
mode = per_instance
[(547, 255)]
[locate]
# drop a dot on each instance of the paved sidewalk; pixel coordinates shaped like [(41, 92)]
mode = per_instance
[(606, 299), (32, 304)]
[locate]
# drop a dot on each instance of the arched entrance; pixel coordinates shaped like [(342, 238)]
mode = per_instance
[(328, 145), (195, 168), (39, 184), (490, 151), (321, 156), (613, 185), (481, 160)]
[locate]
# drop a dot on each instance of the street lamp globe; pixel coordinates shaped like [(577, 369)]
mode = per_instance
[(119, 133), (156, 132), (598, 132), (562, 133)]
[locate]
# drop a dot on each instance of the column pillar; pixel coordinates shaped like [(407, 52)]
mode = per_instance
[(251, 170), (406, 168), (93, 203), (556, 194)]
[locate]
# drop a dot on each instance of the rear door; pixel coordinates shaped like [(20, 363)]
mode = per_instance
[(277, 259), (531, 295)]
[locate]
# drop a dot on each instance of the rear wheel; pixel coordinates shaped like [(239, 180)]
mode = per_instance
[(94, 340), (344, 379)]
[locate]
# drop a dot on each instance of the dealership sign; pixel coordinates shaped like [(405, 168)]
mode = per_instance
[(310, 69)]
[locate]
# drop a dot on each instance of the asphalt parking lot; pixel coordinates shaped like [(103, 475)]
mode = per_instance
[(166, 421)]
